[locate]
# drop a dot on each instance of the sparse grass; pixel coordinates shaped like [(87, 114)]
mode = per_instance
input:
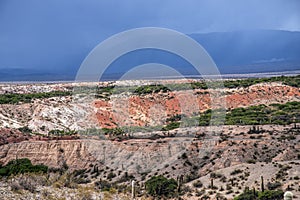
[(26, 98)]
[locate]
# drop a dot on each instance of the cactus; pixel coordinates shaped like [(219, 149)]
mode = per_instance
[(288, 195), (262, 184), (178, 187), (133, 189), (246, 189), (179, 181), (295, 126), (254, 193), (212, 183)]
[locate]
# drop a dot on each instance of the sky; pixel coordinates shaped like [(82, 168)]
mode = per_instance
[(60, 33)]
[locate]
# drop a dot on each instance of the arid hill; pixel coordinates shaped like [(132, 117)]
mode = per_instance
[(113, 138), (43, 115)]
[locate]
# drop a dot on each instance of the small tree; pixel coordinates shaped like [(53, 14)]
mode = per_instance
[(159, 186)]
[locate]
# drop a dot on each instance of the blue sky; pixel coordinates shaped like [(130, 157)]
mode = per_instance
[(56, 33)]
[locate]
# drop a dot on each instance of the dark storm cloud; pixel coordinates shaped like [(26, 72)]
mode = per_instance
[(50, 33)]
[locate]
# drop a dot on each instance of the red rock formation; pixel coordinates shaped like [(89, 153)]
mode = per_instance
[(138, 110)]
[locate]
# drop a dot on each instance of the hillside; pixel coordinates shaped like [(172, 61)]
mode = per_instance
[(110, 108), (136, 130)]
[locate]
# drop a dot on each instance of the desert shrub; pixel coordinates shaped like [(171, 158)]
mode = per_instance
[(148, 89), (236, 171), (111, 175), (197, 184), (57, 132), (175, 118), (273, 186), (15, 186), (184, 156), (191, 176), (103, 185), (85, 193), (171, 126), (251, 161), (25, 129), (28, 184), (220, 197), (282, 172), (185, 189), (223, 179), (113, 131), (200, 192), (216, 175)]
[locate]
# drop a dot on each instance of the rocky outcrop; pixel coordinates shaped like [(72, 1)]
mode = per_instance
[(74, 152), (186, 152), (42, 115), (154, 109)]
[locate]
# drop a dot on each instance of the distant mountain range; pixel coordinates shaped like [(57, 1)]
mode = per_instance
[(244, 47), (233, 52)]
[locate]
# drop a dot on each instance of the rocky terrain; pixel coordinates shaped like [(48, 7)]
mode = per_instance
[(195, 158), (215, 162), (42, 115), (154, 109)]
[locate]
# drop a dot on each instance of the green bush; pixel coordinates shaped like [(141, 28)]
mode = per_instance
[(171, 126), (25, 129), (26, 98), (247, 195), (21, 166), (57, 132), (270, 195), (260, 115), (266, 195), (159, 186), (293, 81), (148, 89)]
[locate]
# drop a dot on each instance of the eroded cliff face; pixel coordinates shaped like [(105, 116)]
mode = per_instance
[(134, 156), (51, 153), (43, 115), (153, 109), (193, 158), (181, 154)]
